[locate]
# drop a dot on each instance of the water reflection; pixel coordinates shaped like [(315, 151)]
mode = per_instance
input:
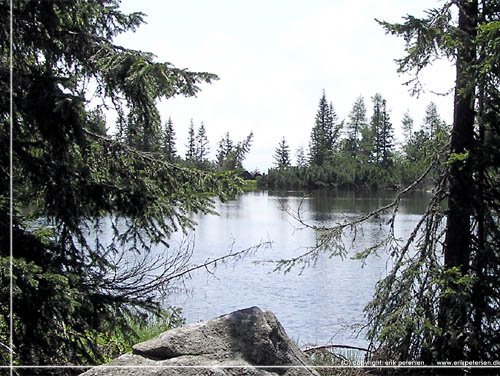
[(317, 304)]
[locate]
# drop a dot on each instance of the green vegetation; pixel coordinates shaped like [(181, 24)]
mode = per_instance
[(230, 155), (74, 294), (117, 342), (75, 299), (365, 156), (249, 185), (282, 155), (440, 298), (444, 297)]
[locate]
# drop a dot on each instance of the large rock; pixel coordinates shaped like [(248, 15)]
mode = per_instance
[(246, 342)]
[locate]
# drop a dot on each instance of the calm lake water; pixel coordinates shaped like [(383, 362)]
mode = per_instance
[(316, 306)]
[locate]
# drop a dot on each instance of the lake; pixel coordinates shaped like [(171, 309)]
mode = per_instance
[(316, 306)]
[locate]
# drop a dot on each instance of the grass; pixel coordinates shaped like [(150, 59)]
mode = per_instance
[(249, 185), (152, 326), (140, 329)]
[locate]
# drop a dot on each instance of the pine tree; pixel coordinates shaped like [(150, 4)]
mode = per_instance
[(191, 144), (433, 125), (324, 133), (202, 146), (382, 131), (282, 154), (231, 156), (224, 150), (357, 121), (407, 124), (456, 272), (71, 299), (301, 157), (168, 141)]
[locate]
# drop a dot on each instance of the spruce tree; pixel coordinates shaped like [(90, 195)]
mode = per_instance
[(224, 151), (366, 145), (282, 154), (241, 150), (382, 131), (168, 141), (456, 272), (191, 143), (324, 133), (439, 299), (415, 143), (407, 125), (387, 139), (357, 121), (72, 297), (301, 157), (231, 156), (202, 146), (433, 125)]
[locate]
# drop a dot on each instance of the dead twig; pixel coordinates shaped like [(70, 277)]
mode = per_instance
[(326, 347)]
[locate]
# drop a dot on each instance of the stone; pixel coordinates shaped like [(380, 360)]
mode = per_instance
[(248, 342)]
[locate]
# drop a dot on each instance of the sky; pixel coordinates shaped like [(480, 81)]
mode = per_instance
[(274, 58)]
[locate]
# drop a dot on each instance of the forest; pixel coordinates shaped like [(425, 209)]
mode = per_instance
[(68, 299), (360, 152)]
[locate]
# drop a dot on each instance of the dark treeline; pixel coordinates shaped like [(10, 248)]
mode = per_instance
[(359, 152), (163, 142)]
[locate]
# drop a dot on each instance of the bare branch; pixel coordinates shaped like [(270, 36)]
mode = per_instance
[(330, 237), (317, 348)]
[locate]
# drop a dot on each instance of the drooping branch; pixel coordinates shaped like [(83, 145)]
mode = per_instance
[(154, 276), (329, 238)]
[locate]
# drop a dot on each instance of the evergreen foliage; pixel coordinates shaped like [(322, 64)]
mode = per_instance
[(367, 145), (382, 132), (168, 141), (362, 159), (324, 133), (224, 150), (230, 156), (357, 121), (439, 301), (433, 125), (440, 298), (407, 124), (202, 147), (191, 143), (301, 157), (282, 154), (72, 292)]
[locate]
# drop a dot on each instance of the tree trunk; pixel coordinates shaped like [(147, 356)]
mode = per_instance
[(453, 307)]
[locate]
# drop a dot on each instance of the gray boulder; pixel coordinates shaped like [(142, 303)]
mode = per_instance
[(246, 342)]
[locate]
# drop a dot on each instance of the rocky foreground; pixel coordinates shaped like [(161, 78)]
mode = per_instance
[(245, 342)]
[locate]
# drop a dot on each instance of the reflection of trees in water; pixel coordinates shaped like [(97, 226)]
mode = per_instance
[(331, 205)]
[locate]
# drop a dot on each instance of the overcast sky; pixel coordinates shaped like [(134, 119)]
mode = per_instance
[(275, 57)]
